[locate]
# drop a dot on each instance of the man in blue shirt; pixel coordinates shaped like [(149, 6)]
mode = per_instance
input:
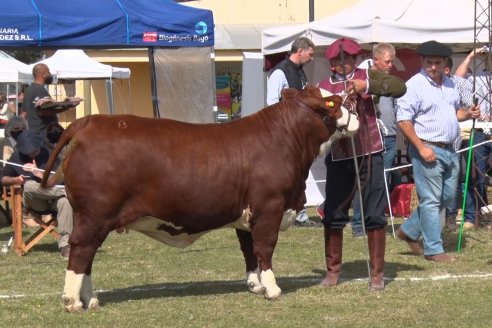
[(428, 116)]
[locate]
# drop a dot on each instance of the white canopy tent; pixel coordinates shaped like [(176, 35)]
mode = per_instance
[(74, 64), (13, 70), (403, 22)]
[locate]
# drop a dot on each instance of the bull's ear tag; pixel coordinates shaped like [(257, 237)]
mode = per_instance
[(330, 103)]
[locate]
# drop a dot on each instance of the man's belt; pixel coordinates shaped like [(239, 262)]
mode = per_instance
[(439, 144)]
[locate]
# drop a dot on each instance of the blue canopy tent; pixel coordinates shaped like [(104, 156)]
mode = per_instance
[(162, 26), (105, 23)]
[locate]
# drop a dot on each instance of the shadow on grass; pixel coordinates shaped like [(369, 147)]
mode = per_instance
[(48, 248), (5, 236), (350, 271), (202, 288)]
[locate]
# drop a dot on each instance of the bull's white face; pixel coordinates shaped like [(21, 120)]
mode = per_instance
[(347, 125)]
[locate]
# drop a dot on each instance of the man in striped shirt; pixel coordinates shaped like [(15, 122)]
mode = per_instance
[(428, 116), (476, 194)]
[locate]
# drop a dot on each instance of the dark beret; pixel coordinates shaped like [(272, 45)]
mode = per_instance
[(349, 46), (434, 48)]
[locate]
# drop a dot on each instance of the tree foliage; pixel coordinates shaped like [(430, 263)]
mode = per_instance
[(27, 56)]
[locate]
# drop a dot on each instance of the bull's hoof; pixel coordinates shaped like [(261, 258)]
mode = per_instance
[(253, 282), (256, 288), (71, 306), (94, 305), (273, 293)]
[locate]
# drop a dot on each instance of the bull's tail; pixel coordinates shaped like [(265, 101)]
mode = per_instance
[(65, 138)]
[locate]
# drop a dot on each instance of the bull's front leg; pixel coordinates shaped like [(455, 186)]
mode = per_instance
[(264, 235), (252, 270)]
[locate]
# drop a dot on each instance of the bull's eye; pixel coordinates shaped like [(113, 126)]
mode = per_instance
[(330, 103)]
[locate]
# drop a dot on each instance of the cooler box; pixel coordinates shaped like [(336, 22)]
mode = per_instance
[(403, 200)]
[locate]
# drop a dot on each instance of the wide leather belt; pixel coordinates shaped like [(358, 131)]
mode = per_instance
[(439, 144)]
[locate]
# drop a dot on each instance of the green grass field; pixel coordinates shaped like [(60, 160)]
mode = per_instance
[(142, 283)]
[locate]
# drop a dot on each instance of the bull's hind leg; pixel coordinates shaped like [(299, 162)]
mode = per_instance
[(77, 293), (87, 296), (71, 291), (252, 270)]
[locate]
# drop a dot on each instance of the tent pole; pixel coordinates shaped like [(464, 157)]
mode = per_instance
[(130, 96), (153, 82), (109, 95)]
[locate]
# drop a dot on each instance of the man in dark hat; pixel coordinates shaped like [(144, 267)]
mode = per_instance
[(356, 85), (428, 116), (25, 168)]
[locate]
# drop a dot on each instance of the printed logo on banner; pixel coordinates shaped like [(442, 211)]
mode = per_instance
[(150, 37), (12, 34), (201, 28)]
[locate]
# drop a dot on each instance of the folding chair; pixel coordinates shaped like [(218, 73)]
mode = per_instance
[(12, 196)]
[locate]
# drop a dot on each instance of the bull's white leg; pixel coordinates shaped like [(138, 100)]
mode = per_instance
[(253, 281), (71, 291), (87, 296), (272, 291)]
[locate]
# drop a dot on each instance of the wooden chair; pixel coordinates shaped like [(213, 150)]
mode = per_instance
[(12, 196)]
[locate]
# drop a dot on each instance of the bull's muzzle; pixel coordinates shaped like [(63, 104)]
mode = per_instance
[(348, 124)]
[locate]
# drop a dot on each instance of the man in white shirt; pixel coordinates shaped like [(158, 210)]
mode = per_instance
[(289, 73)]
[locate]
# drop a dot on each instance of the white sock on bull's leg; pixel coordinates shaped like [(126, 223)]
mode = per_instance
[(87, 295), (253, 282), (267, 278), (71, 291)]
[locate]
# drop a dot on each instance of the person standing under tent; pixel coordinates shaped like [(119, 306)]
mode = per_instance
[(476, 194), (383, 56), (36, 95), (289, 73), (465, 90), (428, 116), (357, 85)]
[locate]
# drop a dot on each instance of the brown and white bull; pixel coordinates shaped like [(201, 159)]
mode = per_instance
[(175, 181)]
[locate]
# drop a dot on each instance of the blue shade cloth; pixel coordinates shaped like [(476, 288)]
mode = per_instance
[(55, 23)]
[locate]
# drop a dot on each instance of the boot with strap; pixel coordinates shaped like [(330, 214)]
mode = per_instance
[(333, 255), (377, 244)]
